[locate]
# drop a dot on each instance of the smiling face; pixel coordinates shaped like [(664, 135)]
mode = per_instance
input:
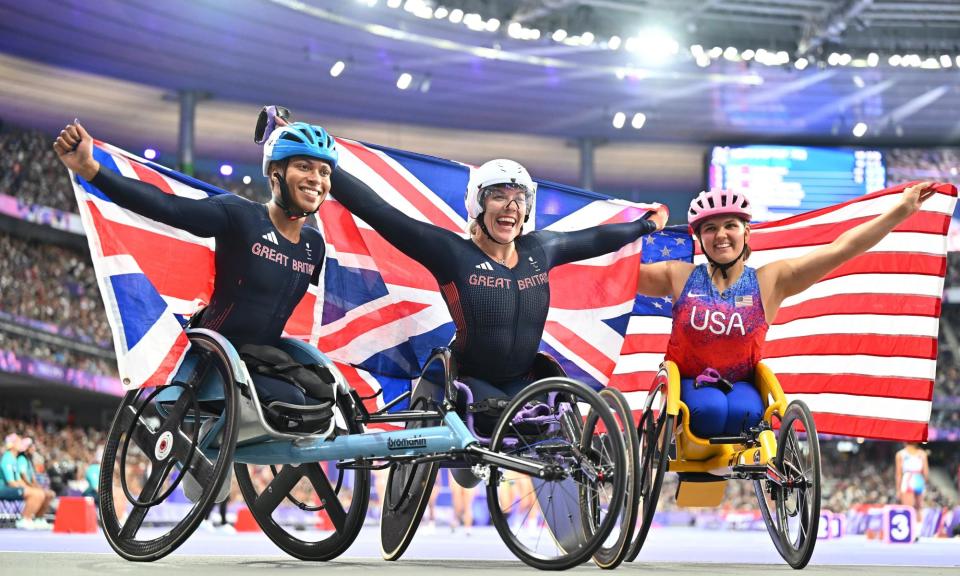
[(723, 237), (504, 211), (308, 180)]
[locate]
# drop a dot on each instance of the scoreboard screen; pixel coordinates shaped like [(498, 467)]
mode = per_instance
[(781, 181)]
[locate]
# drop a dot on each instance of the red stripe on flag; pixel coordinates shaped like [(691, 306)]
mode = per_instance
[(394, 266), (865, 427), (176, 268), (816, 234), (883, 304), (632, 382), (892, 263), (578, 287), (413, 195), (340, 229), (857, 384), (948, 189), (169, 363), (363, 324), (645, 343), (628, 214), (580, 347), (300, 323), (845, 344), (150, 176)]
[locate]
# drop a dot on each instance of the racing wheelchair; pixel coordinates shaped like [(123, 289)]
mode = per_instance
[(559, 440), (782, 461)]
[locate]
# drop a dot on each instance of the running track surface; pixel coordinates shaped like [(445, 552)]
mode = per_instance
[(673, 551)]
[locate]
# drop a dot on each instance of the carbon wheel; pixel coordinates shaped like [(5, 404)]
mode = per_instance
[(791, 505), (159, 435), (656, 444), (540, 519), (312, 511), (617, 545)]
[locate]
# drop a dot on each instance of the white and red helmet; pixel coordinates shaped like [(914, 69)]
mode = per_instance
[(718, 203), (493, 172)]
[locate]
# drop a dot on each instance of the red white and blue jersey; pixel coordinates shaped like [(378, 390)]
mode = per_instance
[(720, 330)]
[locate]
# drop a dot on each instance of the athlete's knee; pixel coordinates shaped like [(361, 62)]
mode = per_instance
[(708, 408), (745, 408)]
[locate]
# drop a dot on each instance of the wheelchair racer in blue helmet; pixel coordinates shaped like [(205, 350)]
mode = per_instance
[(266, 256), (305, 146)]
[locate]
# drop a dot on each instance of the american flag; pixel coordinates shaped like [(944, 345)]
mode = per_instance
[(860, 346), (866, 370)]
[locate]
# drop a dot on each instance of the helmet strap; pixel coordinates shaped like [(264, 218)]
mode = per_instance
[(483, 226), (284, 201), (717, 266)]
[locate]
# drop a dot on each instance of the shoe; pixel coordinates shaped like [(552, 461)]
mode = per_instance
[(226, 529), (41, 524), (25, 524)]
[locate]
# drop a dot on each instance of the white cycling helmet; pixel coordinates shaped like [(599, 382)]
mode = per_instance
[(493, 172)]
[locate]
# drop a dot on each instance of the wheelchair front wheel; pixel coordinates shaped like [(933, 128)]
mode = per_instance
[(791, 507), (407, 491), (309, 494), (615, 549), (157, 436), (656, 438), (541, 519)]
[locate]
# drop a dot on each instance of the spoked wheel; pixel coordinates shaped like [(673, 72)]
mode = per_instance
[(614, 550), (156, 437), (541, 519), (408, 489), (791, 505), (312, 511), (656, 441)]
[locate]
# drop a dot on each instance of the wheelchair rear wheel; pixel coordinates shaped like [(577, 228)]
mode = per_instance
[(615, 549), (318, 495), (541, 520), (656, 440), (158, 436), (791, 507)]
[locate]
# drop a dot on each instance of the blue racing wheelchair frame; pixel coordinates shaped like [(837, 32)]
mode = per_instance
[(191, 431)]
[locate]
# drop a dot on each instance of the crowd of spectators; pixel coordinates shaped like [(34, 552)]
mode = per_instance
[(911, 164), (52, 284), (31, 172), (63, 451)]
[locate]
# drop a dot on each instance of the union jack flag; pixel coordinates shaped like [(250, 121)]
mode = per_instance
[(859, 347)]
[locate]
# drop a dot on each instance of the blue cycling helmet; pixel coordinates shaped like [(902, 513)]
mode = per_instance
[(299, 139)]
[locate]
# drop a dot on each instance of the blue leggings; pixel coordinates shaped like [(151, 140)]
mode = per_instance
[(713, 413)]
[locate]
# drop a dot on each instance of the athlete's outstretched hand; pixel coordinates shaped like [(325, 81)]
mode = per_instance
[(75, 149), (914, 196), (659, 216)]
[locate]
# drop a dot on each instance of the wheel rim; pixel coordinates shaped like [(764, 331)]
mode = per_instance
[(155, 439), (407, 493), (542, 521), (798, 507), (655, 439), (792, 510), (616, 546), (312, 511)]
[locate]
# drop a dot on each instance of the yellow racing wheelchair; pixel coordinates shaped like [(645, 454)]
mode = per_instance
[(781, 456)]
